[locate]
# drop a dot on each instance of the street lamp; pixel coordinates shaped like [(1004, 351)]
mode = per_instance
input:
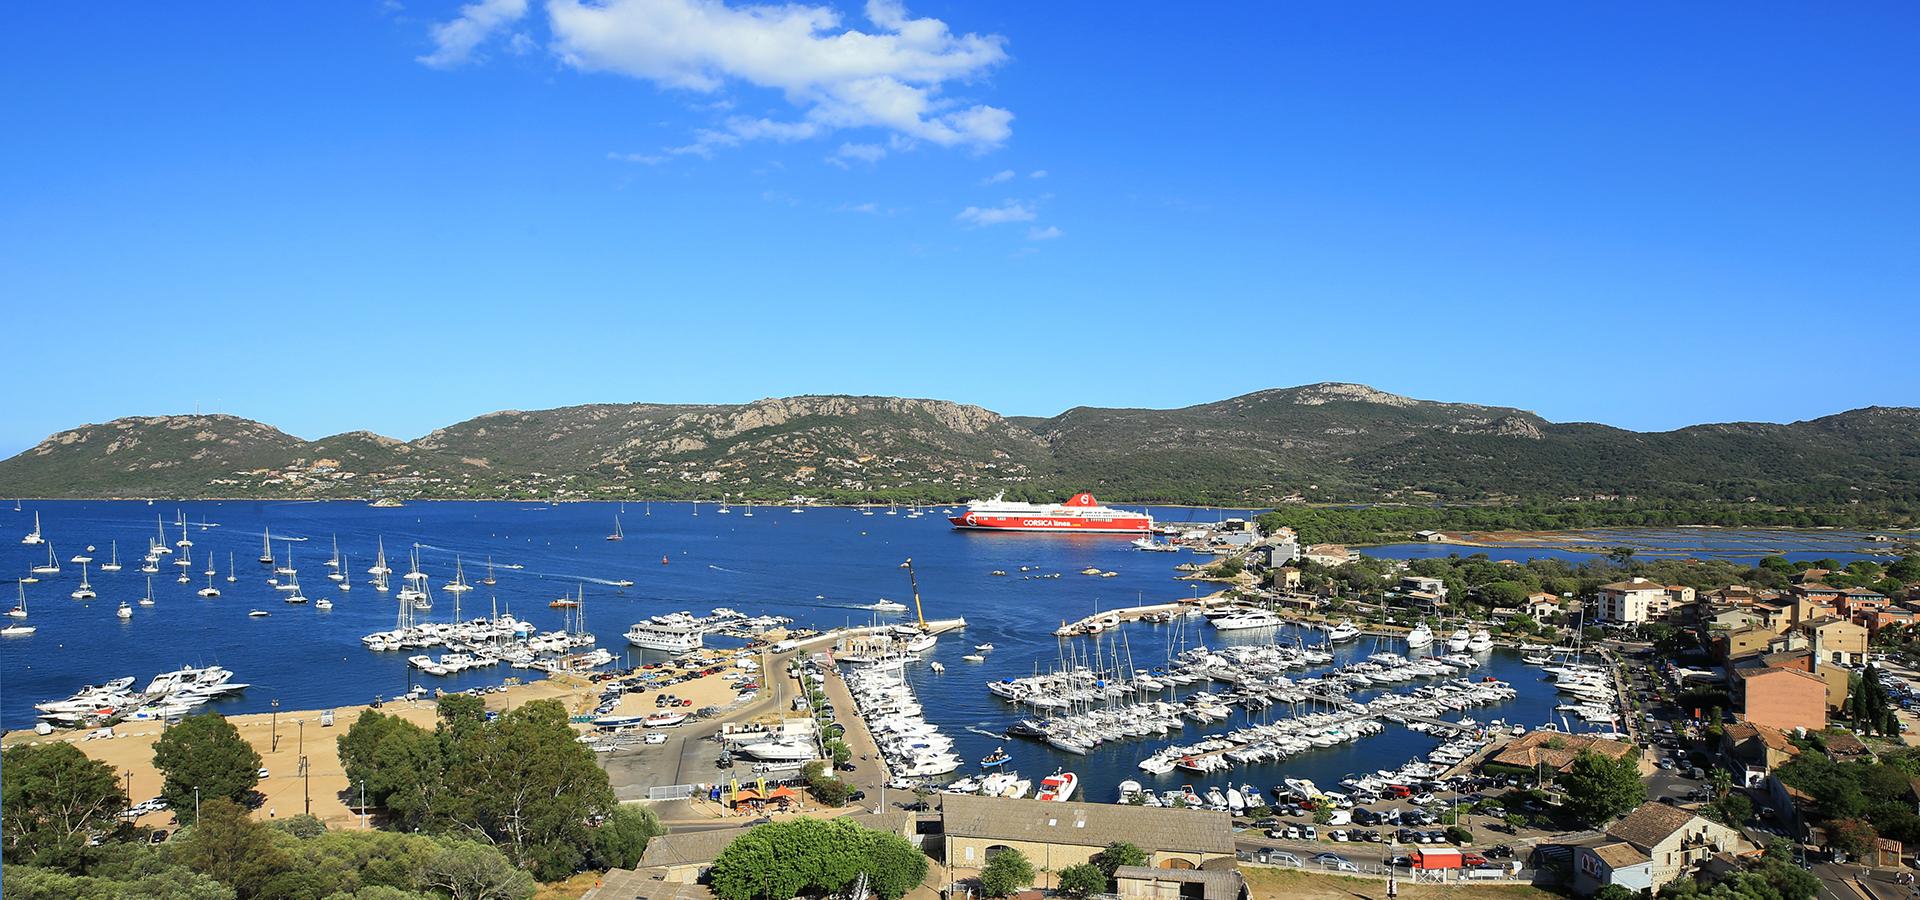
[(196, 804), (275, 745)]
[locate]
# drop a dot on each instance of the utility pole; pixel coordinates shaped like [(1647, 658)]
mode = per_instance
[(306, 773), (196, 804), (274, 746), (1393, 886), (363, 803)]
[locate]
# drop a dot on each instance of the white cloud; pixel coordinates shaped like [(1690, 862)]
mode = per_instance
[(1045, 234), (1010, 211), (647, 159), (997, 177), (891, 78), (455, 40), (867, 153), (1037, 173), (870, 208)]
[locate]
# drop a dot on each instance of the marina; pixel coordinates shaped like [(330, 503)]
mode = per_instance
[(1181, 678)]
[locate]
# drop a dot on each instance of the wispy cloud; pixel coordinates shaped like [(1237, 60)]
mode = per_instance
[(892, 76), (869, 208), (1037, 173), (1045, 234), (1010, 211), (997, 177), (866, 153), (645, 159), (455, 40)]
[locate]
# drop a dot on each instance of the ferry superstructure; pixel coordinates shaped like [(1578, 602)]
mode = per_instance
[(1081, 513)]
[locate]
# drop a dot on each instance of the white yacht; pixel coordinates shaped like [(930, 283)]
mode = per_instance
[(33, 537), (1457, 642), (125, 611), (1481, 642), (209, 591), (670, 636), (1343, 632), (1420, 636), (52, 567), (1256, 618), (113, 563)]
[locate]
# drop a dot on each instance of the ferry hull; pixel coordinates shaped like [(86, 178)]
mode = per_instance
[(978, 522)]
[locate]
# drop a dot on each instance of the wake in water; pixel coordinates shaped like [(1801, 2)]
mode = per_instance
[(992, 734)]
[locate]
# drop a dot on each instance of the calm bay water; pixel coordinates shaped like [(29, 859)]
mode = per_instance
[(817, 567)]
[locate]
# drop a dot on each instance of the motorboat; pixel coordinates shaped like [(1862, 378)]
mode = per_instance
[(998, 757), (1058, 786), (1481, 642), (1420, 636), (1457, 642), (1343, 632)]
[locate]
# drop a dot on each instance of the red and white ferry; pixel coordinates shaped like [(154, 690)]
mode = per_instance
[(1079, 514)]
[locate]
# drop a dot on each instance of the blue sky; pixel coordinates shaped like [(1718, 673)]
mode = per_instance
[(395, 216)]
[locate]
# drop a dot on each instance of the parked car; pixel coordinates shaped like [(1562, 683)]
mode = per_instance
[(1283, 858)]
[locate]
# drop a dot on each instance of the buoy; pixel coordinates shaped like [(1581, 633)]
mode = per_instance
[(663, 559)]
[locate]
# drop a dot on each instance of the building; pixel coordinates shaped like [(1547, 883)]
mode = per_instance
[(1838, 641), (1421, 584), (1633, 601), (1148, 883), (1651, 846), (1780, 697), (1742, 641), (1554, 752), (1281, 552), (1330, 554), (1055, 835), (1541, 606), (1431, 537), (1679, 595), (1751, 752), (1884, 617)]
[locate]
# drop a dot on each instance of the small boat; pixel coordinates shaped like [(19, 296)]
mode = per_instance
[(617, 534), (113, 564), (665, 719), (488, 581), (998, 757), (258, 614), (231, 578), (125, 611), (973, 657), (983, 647), (623, 583), (208, 592), (19, 611), (33, 537), (17, 630), (938, 666), (266, 547), (1058, 786), (323, 603)]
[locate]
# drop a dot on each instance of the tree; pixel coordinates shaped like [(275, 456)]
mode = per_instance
[(1006, 872), (622, 838), (231, 848), (524, 782), (812, 856), (1613, 892), (1082, 881), (52, 799), (205, 752), (470, 871), (1117, 854), (1855, 836), (1598, 788), (1731, 808)]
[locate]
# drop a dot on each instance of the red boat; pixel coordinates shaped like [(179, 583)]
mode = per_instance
[(1080, 514)]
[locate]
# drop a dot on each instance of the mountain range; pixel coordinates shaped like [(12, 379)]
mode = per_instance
[(1319, 443)]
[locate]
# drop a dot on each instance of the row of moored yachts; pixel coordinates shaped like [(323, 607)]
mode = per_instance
[(169, 695)]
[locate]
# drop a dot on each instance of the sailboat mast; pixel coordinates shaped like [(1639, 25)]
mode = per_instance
[(915, 582)]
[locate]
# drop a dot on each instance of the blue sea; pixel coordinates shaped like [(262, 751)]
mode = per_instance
[(818, 567)]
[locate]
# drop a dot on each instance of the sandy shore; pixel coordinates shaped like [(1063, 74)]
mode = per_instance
[(130, 750)]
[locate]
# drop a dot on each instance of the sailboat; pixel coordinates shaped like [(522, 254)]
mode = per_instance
[(617, 534), (158, 546), (231, 578), (19, 611), (339, 568), (293, 588), (488, 581), (148, 599), (52, 567), (33, 537), (379, 570), (696, 509), (459, 583), (724, 508), (209, 591), (266, 547), (184, 541), (334, 562), (346, 583), (18, 629), (85, 590), (749, 512), (112, 565), (212, 569), (288, 568)]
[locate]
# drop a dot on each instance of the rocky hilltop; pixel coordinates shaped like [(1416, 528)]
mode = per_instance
[(1320, 442)]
